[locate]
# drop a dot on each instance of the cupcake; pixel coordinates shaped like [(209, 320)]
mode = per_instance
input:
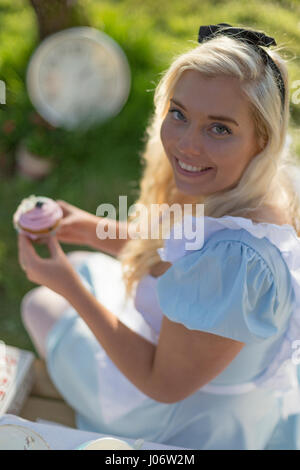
[(37, 216)]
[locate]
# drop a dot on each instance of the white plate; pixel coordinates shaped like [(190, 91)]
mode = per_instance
[(14, 437), (107, 443)]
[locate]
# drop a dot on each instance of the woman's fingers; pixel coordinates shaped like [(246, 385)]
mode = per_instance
[(65, 230), (54, 246), (65, 206), (27, 254), (64, 223)]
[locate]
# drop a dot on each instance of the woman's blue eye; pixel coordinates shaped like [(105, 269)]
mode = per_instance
[(173, 111), (223, 127)]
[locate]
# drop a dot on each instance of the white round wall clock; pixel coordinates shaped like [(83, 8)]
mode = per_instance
[(78, 77)]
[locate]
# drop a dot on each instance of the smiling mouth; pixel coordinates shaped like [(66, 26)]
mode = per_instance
[(189, 170)]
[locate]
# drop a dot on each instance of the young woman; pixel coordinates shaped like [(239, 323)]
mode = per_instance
[(191, 348)]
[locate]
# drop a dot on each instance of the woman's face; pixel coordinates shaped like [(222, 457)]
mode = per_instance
[(208, 125)]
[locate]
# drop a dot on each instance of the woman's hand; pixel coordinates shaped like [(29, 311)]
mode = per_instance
[(55, 272), (76, 225)]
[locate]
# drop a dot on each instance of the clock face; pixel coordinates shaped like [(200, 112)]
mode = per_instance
[(78, 77)]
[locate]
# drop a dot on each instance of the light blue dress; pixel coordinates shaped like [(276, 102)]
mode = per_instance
[(237, 286)]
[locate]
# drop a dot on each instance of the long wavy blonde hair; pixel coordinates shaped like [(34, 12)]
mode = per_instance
[(267, 179)]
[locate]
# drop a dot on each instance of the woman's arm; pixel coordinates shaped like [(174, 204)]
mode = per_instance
[(80, 227), (183, 360), (113, 246)]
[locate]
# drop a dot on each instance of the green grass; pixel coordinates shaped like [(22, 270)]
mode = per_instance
[(98, 165)]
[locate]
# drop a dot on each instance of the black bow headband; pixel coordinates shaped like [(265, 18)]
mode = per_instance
[(255, 38)]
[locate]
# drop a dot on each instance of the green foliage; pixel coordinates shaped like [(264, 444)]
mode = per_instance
[(40, 142), (99, 164)]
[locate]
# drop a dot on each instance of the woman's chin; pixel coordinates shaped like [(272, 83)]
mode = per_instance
[(191, 190)]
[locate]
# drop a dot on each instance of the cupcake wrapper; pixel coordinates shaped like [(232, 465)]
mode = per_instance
[(35, 236)]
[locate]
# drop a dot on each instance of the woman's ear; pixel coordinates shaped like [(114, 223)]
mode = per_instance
[(262, 142)]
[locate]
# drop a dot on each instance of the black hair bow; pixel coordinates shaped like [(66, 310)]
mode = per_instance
[(255, 38)]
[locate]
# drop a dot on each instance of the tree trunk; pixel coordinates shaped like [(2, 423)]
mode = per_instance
[(56, 15)]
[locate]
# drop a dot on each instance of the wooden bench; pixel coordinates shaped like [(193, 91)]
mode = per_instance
[(45, 402)]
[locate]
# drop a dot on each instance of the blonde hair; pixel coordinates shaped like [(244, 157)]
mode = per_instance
[(266, 180)]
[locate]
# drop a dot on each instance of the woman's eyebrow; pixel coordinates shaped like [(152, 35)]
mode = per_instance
[(221, 118)]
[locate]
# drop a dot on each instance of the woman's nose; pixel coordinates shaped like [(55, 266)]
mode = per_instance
[(190, 142)]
